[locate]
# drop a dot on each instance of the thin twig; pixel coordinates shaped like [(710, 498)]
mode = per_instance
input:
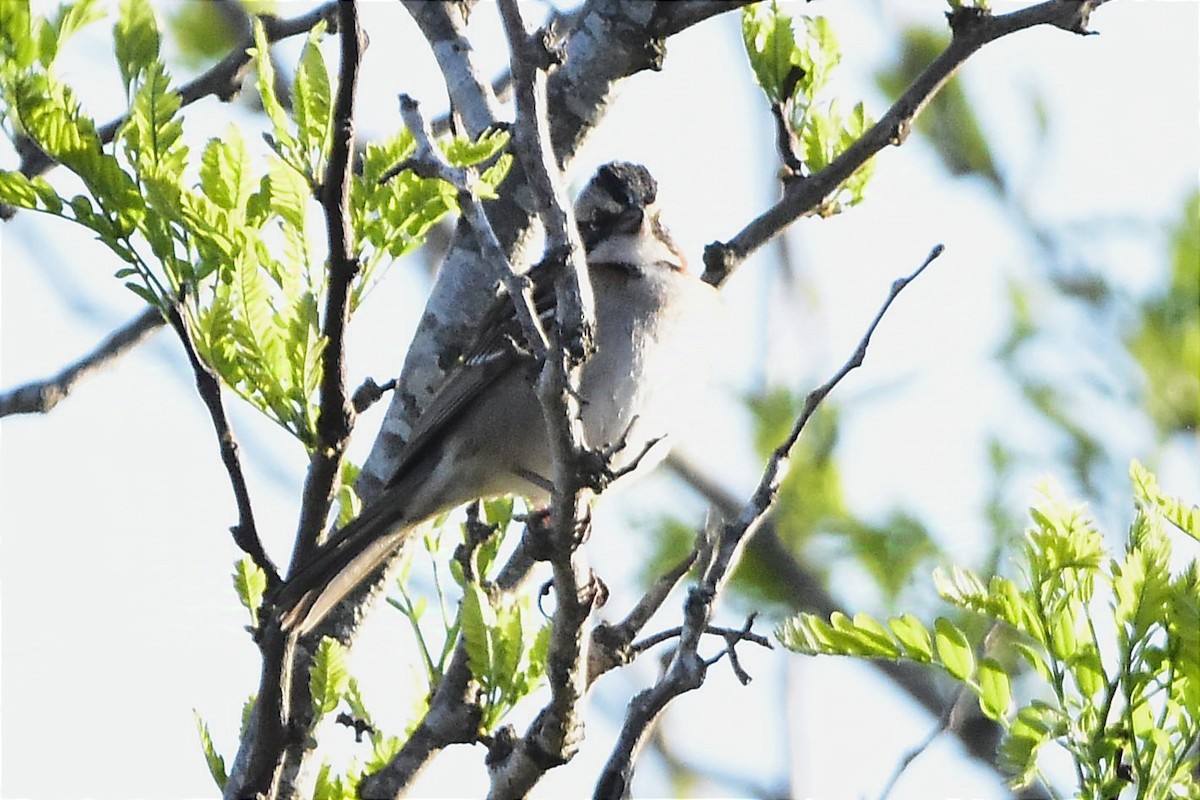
[(687, 669), (336, 414), (369, 393), (972, 29), (805, 592), (612, 644), (739, 634), (273, 749), (40, 397), (245, 533), (942, 726), (428, 161)]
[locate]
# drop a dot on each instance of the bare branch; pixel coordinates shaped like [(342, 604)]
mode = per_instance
[(687, 669), (971, 29), (368, 394), (735, 634), (554, 735), (805, 592), (428, 161), (612, 644), (336, 414), (245, 533), (472, 98), (273, 751), (671, 17), (40, 397)]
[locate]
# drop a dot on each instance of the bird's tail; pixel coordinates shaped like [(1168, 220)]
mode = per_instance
[(356, 553)]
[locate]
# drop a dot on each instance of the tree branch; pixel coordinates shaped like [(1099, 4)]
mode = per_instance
[(612, 644), (687, 669), (554, 735), (245, 533), (971, 29), (805, 592), (40, 397), (671, 16), (336, 414), (428, 161), (273, 751), (472, 98)]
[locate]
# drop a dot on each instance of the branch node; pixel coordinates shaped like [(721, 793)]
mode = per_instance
[(369, 394)]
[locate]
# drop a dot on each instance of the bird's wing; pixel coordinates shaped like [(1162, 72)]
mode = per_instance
[(498, 348)]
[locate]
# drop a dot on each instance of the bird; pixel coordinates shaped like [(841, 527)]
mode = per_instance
[(483, 433)]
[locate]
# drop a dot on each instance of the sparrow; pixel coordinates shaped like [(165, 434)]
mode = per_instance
[(483, 433)]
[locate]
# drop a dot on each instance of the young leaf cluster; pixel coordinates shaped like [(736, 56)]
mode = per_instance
[(1114, 639), (506, 648), (332, 686), (792, 70), (506, 653), (226, 238)]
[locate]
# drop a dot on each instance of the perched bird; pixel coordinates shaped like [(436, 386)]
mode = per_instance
[(483, 433)]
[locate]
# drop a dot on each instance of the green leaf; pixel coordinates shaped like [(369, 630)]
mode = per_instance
[(510, 647), (1184, 516), (498, 511), (152, 134), (462, 152), (875, 637), (203, 33), (311, 103), (330, 676), (1088, 671), (1142, 580), (17, 190), (250, 583), (1035, 725), (349, 503), (225, 174), (144, 293), (247, 711), (953, 650), (18, 46), (70, 18), (51, 116), (478, 618), (282, 139), (1063, 636), (216, 764), (491, 178), (289, 195), (770, 43), (914, 636), (383, 750), (995, 689), (1035, 658), (136, 39), (334, 787)]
